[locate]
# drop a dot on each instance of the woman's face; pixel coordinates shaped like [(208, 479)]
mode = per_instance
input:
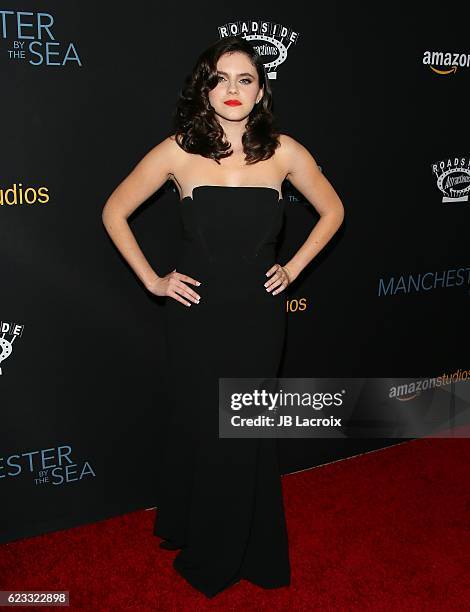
[(238, 82)]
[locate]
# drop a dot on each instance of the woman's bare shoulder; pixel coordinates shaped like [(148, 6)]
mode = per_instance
[(291, 146), (293, 153), (286, 153), (168, 146), (166, 154)]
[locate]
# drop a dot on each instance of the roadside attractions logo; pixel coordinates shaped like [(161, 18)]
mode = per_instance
[(453, 178), (7, 328), (29, 37), (271, 40)]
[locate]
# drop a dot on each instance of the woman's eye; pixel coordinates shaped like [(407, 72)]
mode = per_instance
[(248, 81)]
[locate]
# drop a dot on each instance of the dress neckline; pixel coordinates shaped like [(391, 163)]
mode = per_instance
[(190, 197)]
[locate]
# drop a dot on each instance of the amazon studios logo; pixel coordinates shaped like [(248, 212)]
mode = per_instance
[(47, 466), (274, 40), (30, 37), (449, 61)]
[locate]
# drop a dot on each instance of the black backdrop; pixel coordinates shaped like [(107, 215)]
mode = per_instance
[(84, 98)]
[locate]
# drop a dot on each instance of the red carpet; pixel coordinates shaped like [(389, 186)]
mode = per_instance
[(387, 530)]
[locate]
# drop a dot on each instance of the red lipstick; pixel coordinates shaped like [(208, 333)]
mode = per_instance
[(232, 102)]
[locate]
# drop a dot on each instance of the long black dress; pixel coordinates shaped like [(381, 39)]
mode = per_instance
[(220, 499)]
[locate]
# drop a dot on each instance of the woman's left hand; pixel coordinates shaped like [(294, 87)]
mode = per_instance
[(279, 278)]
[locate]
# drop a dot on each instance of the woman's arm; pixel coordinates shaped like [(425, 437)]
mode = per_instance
[(147, 176), (306, 176)]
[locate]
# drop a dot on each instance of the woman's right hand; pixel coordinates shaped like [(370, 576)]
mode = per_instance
[(172, 285)]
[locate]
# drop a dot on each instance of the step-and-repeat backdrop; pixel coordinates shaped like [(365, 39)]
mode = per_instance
[(378, 95)]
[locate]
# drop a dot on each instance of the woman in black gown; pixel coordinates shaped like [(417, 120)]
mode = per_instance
[(219, 500)]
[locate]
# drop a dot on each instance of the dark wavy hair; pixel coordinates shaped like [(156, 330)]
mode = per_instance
[(196, 127)]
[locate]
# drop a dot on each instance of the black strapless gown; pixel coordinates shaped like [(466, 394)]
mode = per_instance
[(220, 499)]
